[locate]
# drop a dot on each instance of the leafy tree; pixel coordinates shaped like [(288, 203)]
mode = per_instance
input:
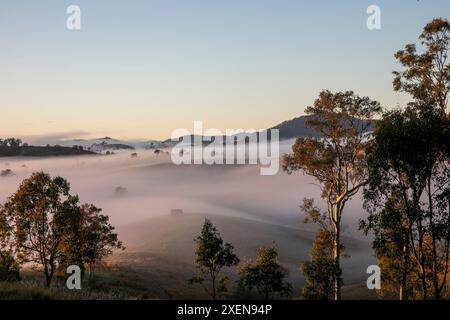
[(37, 214), (212, 256), (337, 159), (44, 224), (408, 161), (320, 271), (89, 239), (9, 267), (412, 152), (392, 247), (265, 274), (427, 75), (11, 142)]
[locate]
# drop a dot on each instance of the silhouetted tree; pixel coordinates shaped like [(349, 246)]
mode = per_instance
[(410, 159), (320, 272), (392, 247), (37, 214), (427, 74), (46, 225), (9, 267), (11, 142), (265, 274), (89, 238), (212, 256)]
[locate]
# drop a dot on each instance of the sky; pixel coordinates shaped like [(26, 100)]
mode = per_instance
[(141, 69)]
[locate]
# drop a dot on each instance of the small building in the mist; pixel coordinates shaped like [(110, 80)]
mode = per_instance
[(176, 212)]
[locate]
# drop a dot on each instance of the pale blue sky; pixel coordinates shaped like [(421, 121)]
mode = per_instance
[(140, 69)]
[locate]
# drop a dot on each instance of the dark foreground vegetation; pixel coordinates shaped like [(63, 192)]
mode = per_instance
[(403, 171), (44, 225)]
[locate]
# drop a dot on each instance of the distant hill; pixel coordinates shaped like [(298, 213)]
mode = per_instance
[(297, 128), (38, 151), (289, 129), (294, 128), (100, 147)]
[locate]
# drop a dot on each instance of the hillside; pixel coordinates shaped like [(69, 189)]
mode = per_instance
[(296, 127), (38, 151), (162, 251), (288, 129)]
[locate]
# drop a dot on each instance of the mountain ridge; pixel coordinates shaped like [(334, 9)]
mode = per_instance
[(288, 129)]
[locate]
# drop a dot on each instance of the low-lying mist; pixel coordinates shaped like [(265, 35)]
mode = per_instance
[(133, 189), (138, 193)]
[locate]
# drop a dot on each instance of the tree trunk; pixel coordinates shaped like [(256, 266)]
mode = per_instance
[(337, 256), (422, 262), (437, 295), (420, 231), (403, 294), (214, 287), (48, 279), (48, 276)]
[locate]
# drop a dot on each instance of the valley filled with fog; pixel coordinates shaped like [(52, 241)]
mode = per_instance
[(138, 193)]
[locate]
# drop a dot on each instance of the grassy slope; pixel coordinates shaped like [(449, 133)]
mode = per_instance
[(160, 254)]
